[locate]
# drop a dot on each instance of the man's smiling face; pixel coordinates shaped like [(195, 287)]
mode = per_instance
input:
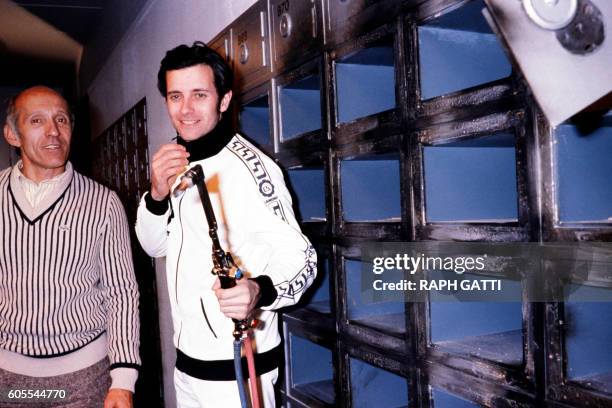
[(43, 131), (192, 101)]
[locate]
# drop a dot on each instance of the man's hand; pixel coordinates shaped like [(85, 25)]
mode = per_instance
[(168, 162), (237, 302), (118, 398)]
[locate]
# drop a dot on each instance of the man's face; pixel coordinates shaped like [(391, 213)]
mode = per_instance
[(192, 101), (43, 132)]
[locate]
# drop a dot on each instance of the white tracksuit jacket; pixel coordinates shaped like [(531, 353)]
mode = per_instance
[(256, 225)]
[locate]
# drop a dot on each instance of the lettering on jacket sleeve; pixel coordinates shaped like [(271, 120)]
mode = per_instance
[(262, 178)]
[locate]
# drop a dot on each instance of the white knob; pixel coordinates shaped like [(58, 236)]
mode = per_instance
[(551, 14)]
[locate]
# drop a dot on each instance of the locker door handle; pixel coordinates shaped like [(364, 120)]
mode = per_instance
[(313, 14)]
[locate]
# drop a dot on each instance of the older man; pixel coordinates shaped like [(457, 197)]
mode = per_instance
[(68, 296)]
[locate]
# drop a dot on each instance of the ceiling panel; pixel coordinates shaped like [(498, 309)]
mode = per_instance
[(77, 18)]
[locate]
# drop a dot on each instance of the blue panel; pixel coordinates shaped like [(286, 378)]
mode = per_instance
[(457, 320), (255, 124), (365, 85), (588, 328), (489, 330), (309, 188), (317, 296), (461, 320), (451, 60), (370, 190), (470, 183), (468, 17), (300, 107), (311, 367), (584, 173), (381, 55), (443, 400), (365, 304), (374, 387)]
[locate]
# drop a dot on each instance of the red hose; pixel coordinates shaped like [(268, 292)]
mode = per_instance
[(248, 349)]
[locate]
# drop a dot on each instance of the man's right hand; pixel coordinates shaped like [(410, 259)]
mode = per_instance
[(168, 162)]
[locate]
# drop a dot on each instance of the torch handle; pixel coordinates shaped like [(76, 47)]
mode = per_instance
[(227, 282)]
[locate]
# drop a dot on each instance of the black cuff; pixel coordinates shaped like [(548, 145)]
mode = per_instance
[(154, 206), (125, 365), (266, 290)]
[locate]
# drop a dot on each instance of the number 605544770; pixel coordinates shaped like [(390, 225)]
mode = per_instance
[(36, 394)]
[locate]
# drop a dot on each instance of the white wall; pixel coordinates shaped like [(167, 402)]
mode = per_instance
[(131, 74)]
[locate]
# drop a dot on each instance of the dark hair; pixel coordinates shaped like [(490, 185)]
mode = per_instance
[(184, 56)]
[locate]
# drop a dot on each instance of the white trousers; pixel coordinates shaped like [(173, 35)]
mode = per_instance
[(195, 393)]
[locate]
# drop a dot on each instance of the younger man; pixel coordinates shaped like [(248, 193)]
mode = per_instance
[(256, 225)]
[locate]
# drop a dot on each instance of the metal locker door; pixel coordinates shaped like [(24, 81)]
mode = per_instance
[(296, 31), (130, 149), (348, 19), (122, 159), (561, 48), (251, 47), (223, 45)]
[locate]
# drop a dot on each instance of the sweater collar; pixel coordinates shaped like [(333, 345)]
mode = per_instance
[(209, 144)]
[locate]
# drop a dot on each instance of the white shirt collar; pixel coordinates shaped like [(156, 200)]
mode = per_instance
[(56, 179)]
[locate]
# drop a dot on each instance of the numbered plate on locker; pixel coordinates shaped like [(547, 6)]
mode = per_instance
[(296, 30), (250, 46)]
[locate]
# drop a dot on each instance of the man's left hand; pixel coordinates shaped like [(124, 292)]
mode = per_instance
[(237, 302), (118, 398)]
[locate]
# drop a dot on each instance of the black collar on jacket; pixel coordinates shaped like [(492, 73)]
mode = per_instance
[(209, 144)]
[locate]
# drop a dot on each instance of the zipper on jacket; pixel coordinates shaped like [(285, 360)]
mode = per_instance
[(178, 258), (206, 317), (178, 342)]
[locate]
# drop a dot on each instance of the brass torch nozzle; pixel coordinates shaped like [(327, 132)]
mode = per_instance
[(185, 182)]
